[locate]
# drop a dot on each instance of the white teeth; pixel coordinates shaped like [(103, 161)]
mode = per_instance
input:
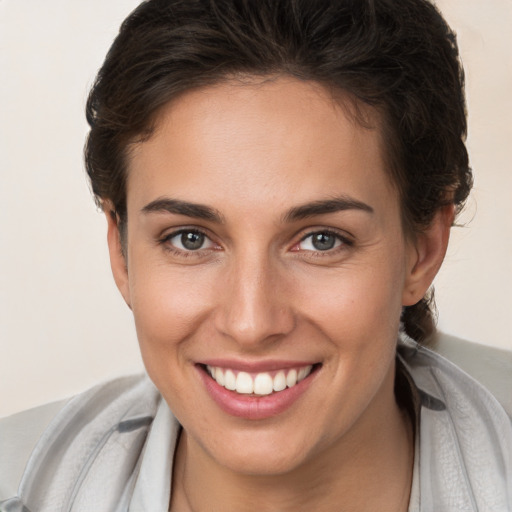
[(219, 376), (263, 384), (280, 381), (303, 373), (229, 380), (291, 378), (244, 383), (259, 384)]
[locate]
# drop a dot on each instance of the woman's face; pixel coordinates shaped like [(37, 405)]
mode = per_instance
[(265, 246)]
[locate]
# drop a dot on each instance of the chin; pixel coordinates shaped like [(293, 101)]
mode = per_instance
[(269, 459)]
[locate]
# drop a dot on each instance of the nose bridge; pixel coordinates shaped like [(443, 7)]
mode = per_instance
[(254, 307)]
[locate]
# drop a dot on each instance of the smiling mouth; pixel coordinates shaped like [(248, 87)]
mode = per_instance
[(261, 383)]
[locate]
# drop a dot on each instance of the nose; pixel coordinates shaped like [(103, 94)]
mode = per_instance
[(255, 306)]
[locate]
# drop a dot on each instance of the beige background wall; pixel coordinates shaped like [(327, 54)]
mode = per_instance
[(63, 326)]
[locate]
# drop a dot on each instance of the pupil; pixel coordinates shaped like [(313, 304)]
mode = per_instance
[(192, 241), (323, 241)]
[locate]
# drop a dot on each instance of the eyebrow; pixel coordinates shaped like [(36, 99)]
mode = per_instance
[(186, 208), (325, 206), (199, 211)]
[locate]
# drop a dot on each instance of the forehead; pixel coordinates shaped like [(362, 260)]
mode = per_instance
[(281, 139)]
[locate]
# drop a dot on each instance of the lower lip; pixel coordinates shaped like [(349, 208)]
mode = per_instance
[(253, 407)]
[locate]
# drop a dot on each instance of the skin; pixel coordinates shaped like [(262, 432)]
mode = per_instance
[(254, 152)]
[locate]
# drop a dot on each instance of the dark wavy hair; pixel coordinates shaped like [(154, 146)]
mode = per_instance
[(400, 58)]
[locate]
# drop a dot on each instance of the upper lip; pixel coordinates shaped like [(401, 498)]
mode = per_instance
[(256, 366)]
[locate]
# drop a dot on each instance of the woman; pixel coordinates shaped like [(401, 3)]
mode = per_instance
[(279, 180)]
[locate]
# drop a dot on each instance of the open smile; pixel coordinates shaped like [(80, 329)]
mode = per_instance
[(261, 383), (256, 394)]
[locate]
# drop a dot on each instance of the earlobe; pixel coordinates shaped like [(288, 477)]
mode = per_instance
[(117, 256), (426, 256)]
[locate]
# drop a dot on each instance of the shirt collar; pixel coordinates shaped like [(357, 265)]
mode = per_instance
[(152, 490)]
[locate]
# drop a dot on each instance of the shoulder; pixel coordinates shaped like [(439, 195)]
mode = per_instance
[(452, 367), (29, 440), (19, 434), (491, 367), (464, 436)]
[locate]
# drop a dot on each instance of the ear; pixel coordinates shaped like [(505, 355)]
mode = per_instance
[(426, 254), (117, 257)]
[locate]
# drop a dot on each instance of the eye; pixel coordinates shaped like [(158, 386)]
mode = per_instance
[(189, 240), (320, 241)]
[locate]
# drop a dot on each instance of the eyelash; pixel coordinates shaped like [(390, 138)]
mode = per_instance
[(165, 241), (344, 243)]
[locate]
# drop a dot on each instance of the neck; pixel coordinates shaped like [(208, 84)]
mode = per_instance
[(369, 469)]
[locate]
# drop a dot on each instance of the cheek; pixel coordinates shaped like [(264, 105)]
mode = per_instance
[(356, 299), (168, 306), (358, 311)]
